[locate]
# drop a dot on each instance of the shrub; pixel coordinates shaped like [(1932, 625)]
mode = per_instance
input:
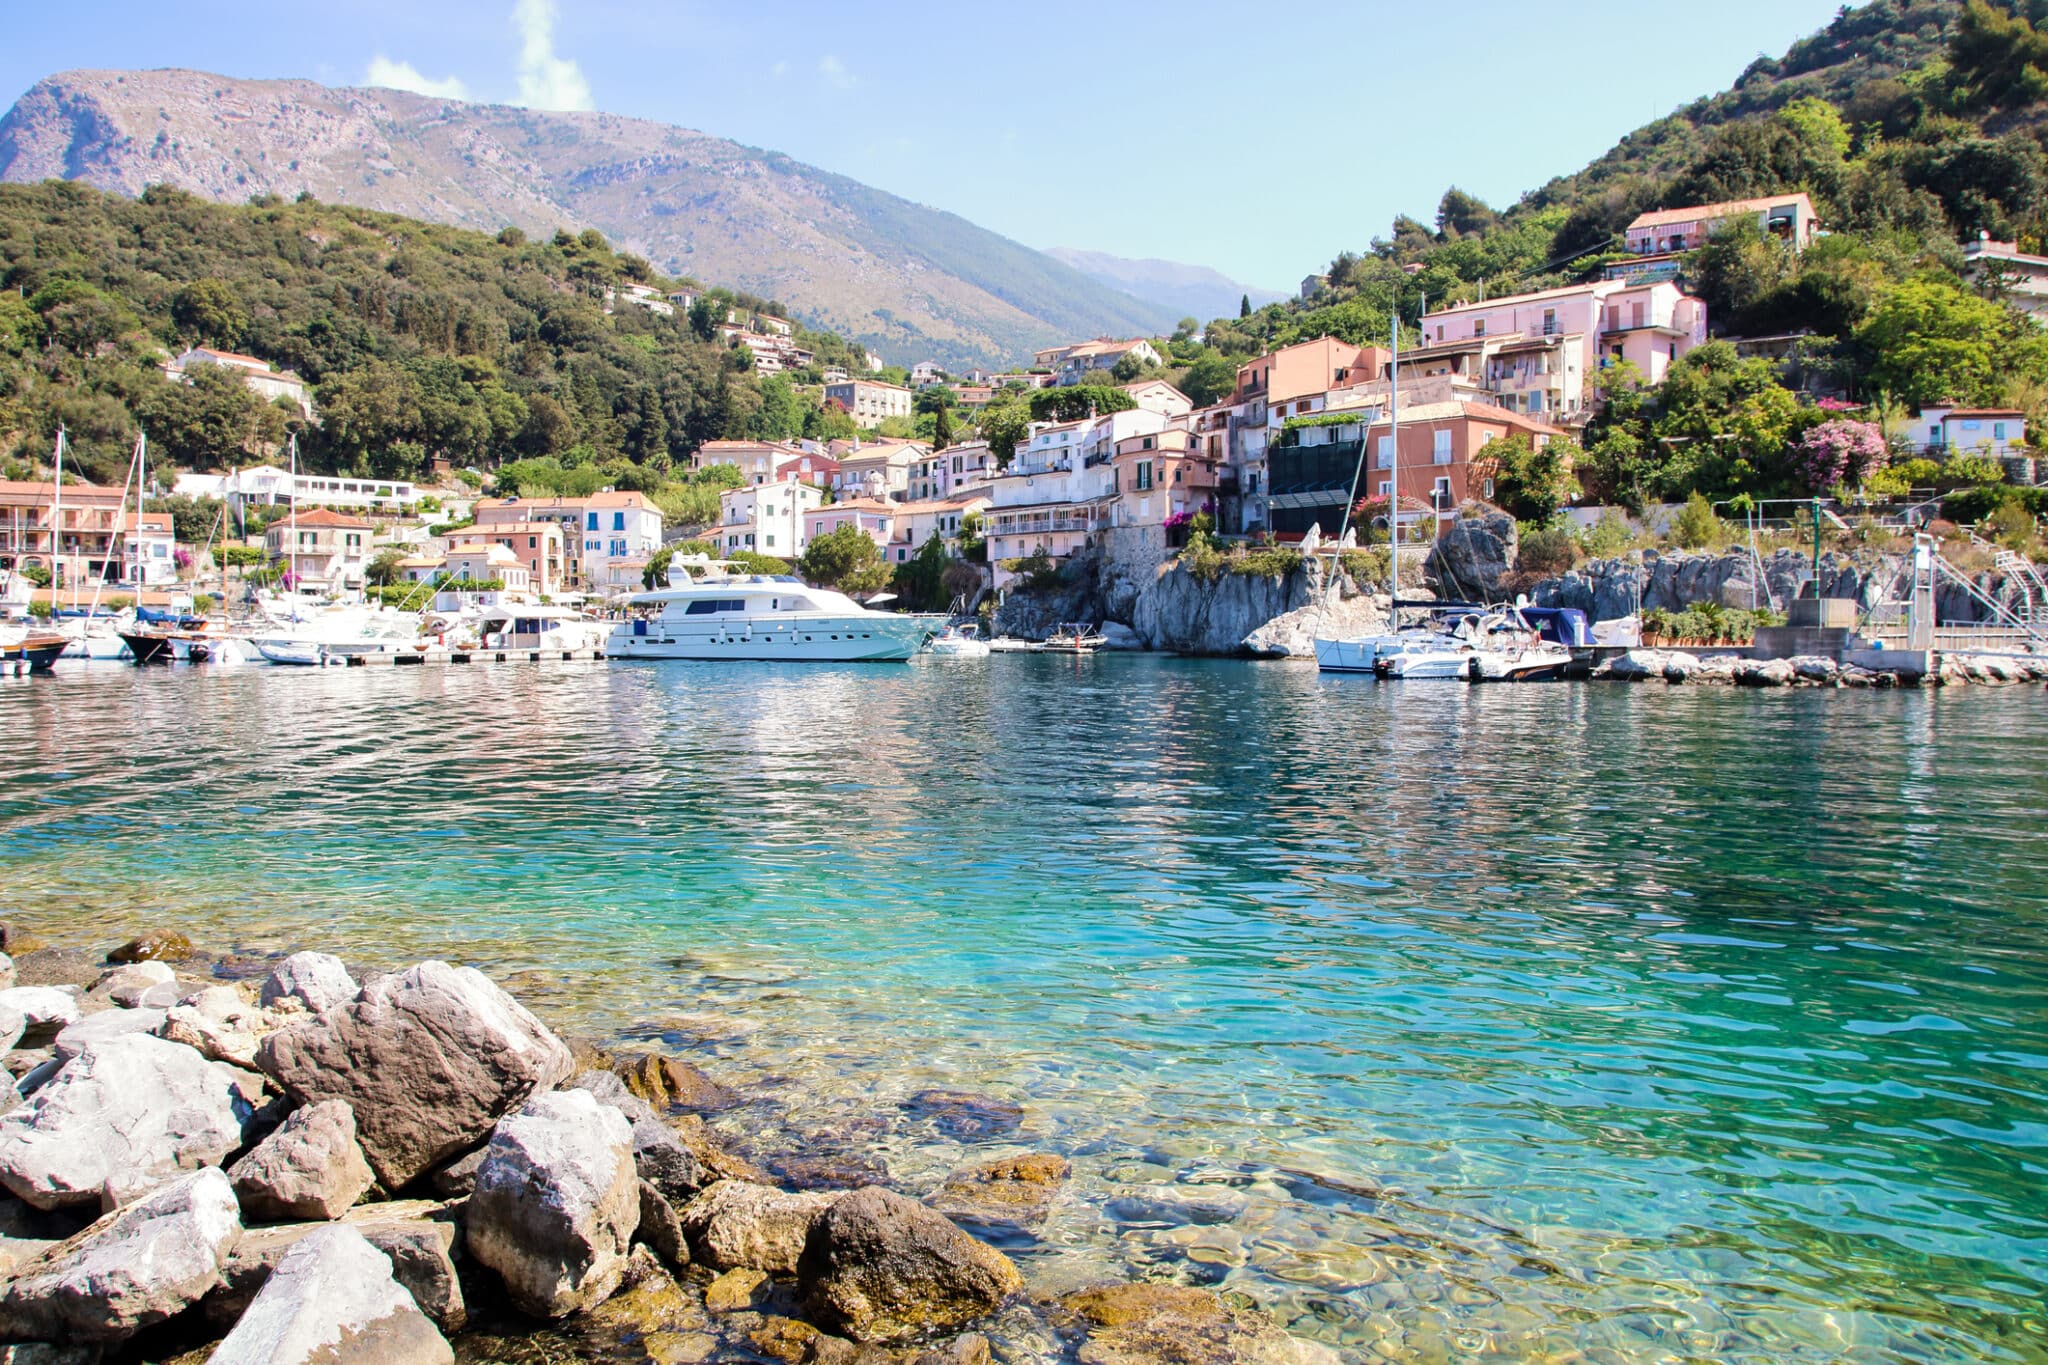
[(1610, 536), (37, 574), (1366, 566), (1972, 470), (1275, 562), (1696, 527), (1975, 504), (41, 609), (1036, 569), (1202, 559), (1547, 550), (2011, 526), (1839, 452)]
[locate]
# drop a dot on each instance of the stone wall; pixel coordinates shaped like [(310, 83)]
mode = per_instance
[(1651, 580)]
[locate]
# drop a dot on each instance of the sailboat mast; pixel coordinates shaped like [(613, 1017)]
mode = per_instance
[(1394, 458), (141, 477), (57, 515), (292, 531)]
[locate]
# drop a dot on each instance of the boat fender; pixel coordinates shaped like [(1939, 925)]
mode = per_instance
[(1472, 668)]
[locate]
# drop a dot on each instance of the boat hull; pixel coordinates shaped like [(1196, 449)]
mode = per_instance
[(39, 652), (793, 639), (148, 649)]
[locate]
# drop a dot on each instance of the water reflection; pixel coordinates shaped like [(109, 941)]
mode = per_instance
[(1459, 1020)]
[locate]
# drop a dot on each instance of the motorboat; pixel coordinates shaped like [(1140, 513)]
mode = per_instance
[(527, 626), (1009, 644), (1480, 646), (1074, 637), (33, 646), (92, 635), (336, 632), (766, 617), (962, 641)]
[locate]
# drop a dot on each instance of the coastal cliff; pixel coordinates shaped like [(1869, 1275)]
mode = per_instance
[(1143, 603)]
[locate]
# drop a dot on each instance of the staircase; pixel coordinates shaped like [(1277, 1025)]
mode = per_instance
[(2021, 571)]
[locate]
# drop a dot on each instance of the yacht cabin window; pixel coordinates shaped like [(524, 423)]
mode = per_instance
[(707, 605)]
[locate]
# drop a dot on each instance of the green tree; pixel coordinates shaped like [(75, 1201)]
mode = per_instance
[(1072, 404), (1003, 424), (1929, 341), (942, 429), (847, 559), (1209, 379), (1244, 306), (1996, 58), (1532, 483), (919, 582), (208, 312), (382, 570), (655, 575)]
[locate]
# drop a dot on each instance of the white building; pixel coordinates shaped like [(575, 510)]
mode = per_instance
[(926, 372), (269, 384), (267, 484), (869, 401), (1989, 433), (597, 530), (767, 518), (149, 550)]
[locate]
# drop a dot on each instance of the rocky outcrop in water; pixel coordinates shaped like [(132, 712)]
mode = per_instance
[(1164, 606)]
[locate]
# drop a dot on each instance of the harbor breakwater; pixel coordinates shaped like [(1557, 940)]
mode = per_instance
[(235, 1160)]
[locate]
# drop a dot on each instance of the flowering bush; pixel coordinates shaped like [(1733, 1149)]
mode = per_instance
[(1178, 520), (1839, 452)]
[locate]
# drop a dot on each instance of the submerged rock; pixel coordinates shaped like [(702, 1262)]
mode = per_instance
[(318, 981), (311, 1167), (882, 1268), (1015, 1191), (735, 1223), (962, 1114), (127, 1114), (669, 1083), (332, 1299), (132, 1269), (428, 1059), (158, 945), (1167, 1324), (557, 1200)]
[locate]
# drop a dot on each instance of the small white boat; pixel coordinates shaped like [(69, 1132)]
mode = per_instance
[(958, 642), (1489, 646), (286, 650), (1007, 644), (1073, 638)]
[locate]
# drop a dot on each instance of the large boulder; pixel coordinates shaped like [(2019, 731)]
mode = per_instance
[(310, 1167), (419, 1236), (879, 1268), (428, 1059), (102, 1025), (556, 1203), (736, 1223), (125, 1115), (1169, 1324), (130, 1270), (318, 981), (158, 945), (332, 1299), (1473, 555)]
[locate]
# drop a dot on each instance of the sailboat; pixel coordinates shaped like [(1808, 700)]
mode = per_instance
[(88, 632), (1364, 653)]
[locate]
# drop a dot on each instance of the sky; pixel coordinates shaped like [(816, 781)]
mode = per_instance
[(1259, 139)]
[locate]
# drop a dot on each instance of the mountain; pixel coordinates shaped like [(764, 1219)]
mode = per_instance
[(911, 281), (1186, 290)]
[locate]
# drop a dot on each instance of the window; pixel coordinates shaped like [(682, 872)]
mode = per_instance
[(1144, 480), (618, 521), (1550, 322), (1479, 327), (1383, 453), (1386, 487), (593, 522), (532, 542), (1440, 447), (711, 606)]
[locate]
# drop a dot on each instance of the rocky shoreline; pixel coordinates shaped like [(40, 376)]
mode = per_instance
[(1739, 670), (210, 1159)]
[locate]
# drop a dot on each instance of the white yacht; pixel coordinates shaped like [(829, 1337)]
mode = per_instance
[(530, 626), (1490, 646), (764, 617)]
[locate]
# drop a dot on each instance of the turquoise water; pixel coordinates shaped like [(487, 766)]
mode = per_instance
[(1449, 1023)]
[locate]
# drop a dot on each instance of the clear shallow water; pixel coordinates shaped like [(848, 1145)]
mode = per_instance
[(1448, 1022)]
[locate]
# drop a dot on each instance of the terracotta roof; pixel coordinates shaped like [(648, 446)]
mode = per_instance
[(1706, 212), (20, 492), (322, 517), (1984, 412), (856, 505), (613, 499), (505, 528)]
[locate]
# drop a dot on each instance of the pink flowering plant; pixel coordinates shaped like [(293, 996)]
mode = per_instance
[(1839, 453)]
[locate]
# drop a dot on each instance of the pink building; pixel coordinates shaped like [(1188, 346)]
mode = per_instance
[(1665, 231), (1534, 352)]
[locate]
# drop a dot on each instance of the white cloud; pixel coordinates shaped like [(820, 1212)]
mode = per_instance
[(405, 76), (546, 81), (835, 73)]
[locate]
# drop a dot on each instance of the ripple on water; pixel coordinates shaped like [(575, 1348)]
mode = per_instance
[(1449, 1023)]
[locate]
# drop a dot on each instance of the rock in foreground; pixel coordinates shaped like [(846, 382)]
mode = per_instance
[(127, 1114), (318, 981), (130, 1270), (428, 1060), (311, 1167), (881, 1268), (557, 1200), (332, 1300), (735, 1223)]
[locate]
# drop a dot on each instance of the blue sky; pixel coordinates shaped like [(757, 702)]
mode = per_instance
[(1257, 138)]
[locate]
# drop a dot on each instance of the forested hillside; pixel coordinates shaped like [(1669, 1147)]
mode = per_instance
[(1913, 124), (418, 340)]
